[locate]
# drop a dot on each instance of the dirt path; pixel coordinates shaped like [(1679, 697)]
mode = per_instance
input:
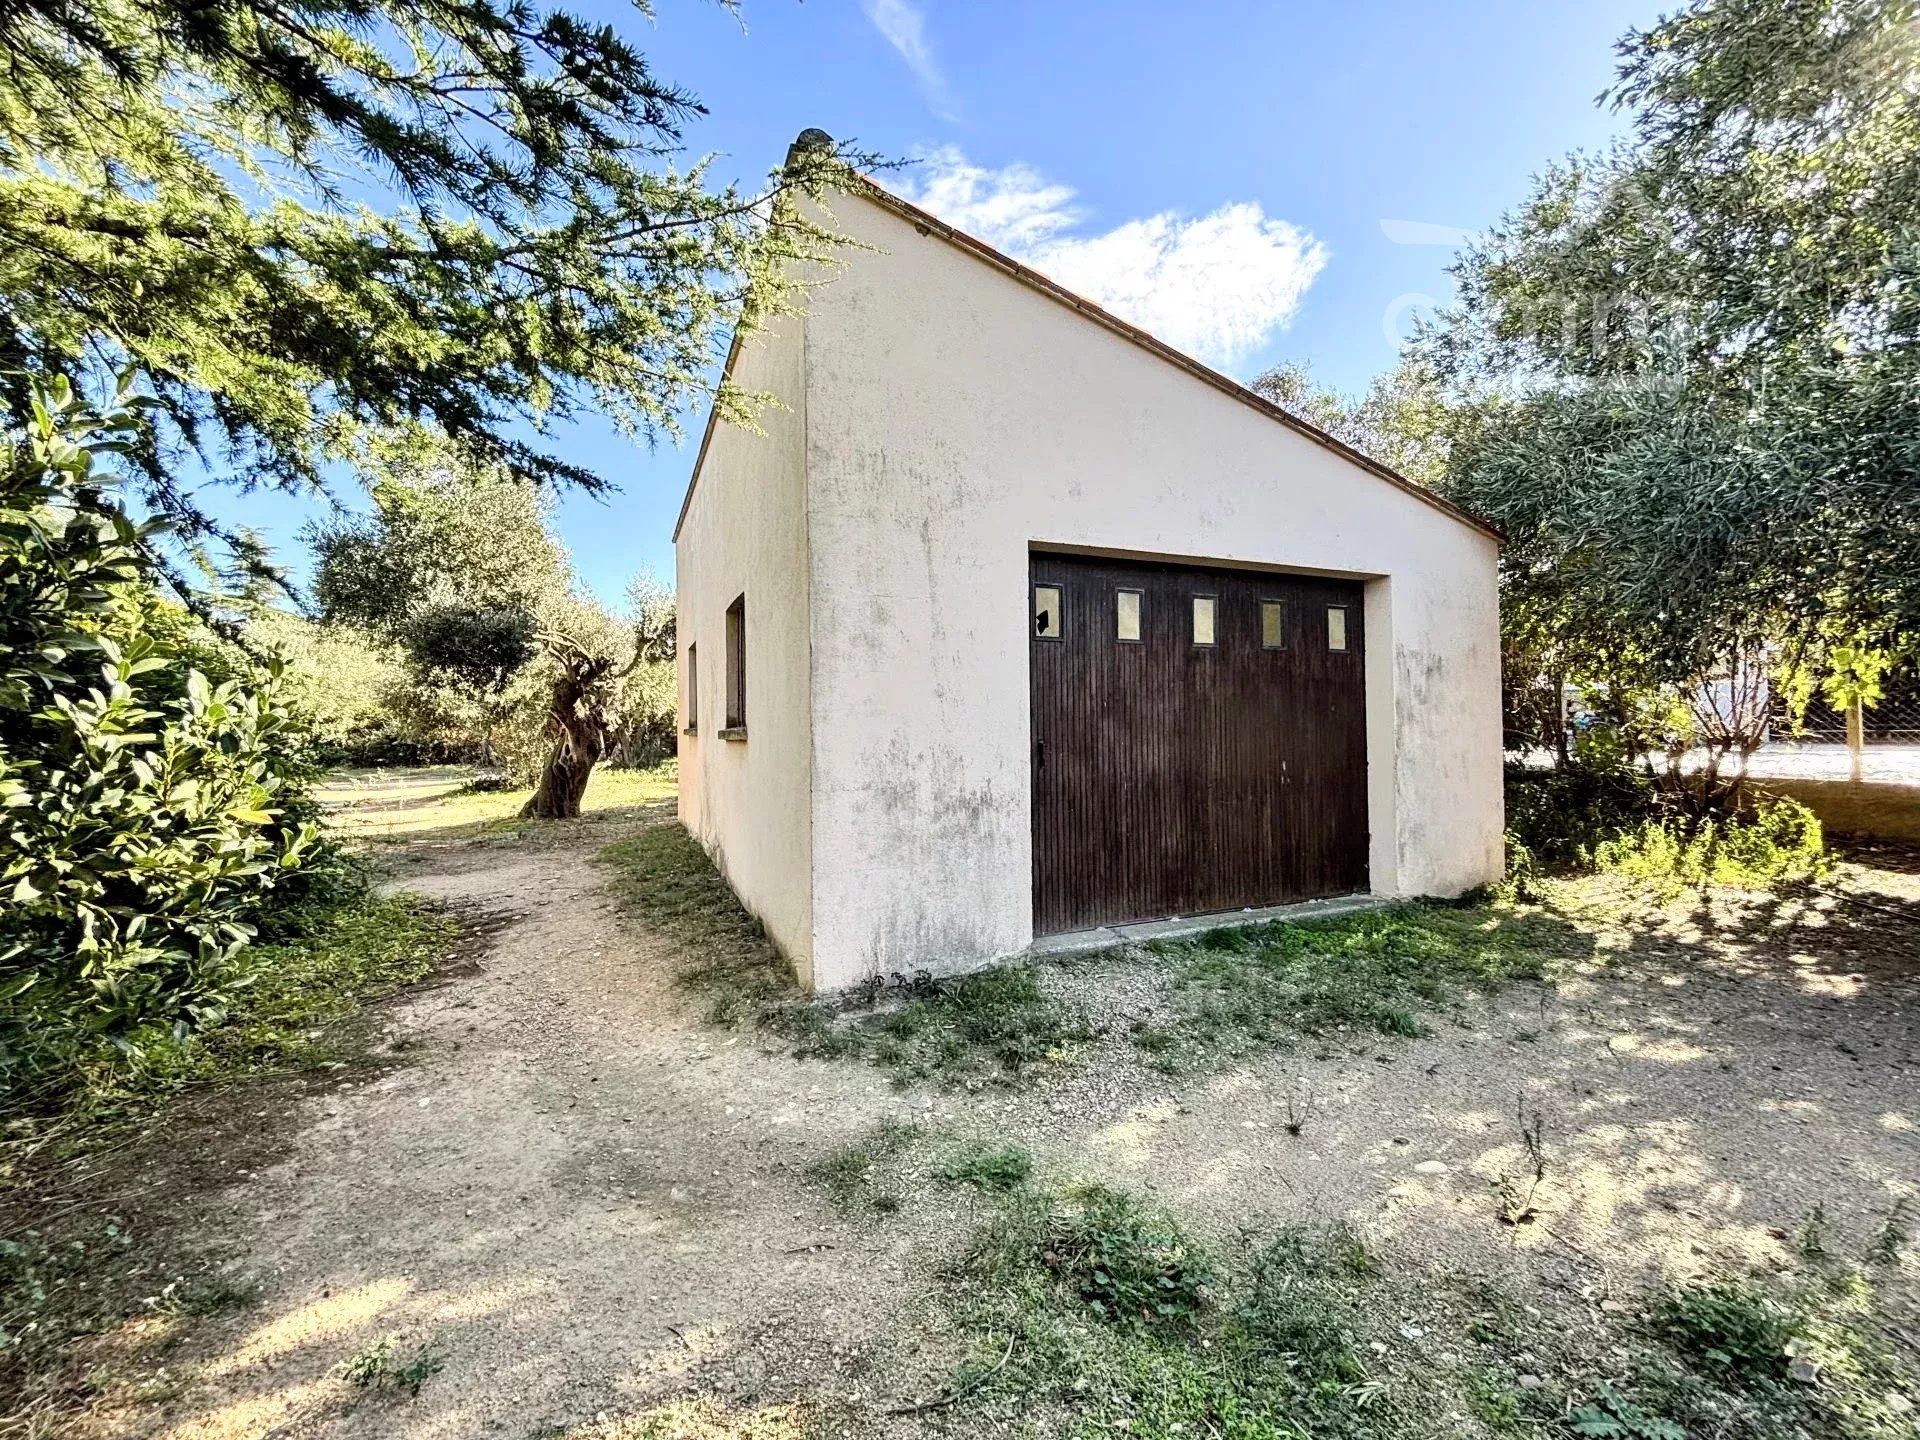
[(584, 1198), (577, 1192)]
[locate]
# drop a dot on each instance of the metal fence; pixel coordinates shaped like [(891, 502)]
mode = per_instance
[(1816, 748)]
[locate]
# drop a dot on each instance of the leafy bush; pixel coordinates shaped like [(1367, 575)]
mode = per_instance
[(1610, 817), (1777, 842), (1558, 818), (148, 809)]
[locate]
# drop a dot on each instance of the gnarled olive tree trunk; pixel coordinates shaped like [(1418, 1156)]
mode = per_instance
[(580, 727)]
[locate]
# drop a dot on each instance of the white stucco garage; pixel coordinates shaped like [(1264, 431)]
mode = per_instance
[(1012, 614)]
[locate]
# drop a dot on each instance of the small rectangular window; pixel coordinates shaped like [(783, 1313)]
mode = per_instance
[(737, 665), (1046, 611), (693, 689), (1273, 624), (1126, 615), (1336, 627), (1203, 615)]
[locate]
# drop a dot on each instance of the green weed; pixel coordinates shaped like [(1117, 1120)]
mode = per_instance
[(1612, 1416), (1892, 1236), (1730, 1326), (380, 1365), (988, 1167), (1127, 1263), (1779, 842)]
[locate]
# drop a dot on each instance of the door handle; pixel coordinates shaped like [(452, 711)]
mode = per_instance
[(1041, 754)]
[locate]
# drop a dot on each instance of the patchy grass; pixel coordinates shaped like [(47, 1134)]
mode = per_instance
[(1092, 1314), (705, 1418), (662, 875), (439, 804), (1122, 1324), (1240, 990), (1233, 991), (993, 1027), (69, 1269), (857, 1175), (287, 1013)]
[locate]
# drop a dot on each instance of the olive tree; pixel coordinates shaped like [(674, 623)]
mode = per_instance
[(1681, 376)]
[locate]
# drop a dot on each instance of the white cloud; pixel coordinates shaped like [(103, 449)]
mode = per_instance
[(1217, 285), (905, 28)]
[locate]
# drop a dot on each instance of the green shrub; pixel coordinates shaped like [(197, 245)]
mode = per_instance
[(1777, 842), (149, 809), (1557, 818)]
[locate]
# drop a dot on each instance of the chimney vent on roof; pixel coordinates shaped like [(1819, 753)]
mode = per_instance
[(811, 138)]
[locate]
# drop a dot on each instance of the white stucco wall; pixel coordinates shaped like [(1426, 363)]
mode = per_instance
[(955, 418), (745, 531)]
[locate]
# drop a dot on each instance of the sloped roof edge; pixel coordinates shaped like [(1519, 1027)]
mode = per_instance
[(927, 223)]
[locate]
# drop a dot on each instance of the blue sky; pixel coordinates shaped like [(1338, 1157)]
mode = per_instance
[(1255, 182)]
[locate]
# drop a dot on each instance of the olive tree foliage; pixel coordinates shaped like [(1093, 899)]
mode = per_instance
[(454, 566), (299, 227), (1401, 420), (147, 808), (1684, 373), (359, 698), (649, 698)]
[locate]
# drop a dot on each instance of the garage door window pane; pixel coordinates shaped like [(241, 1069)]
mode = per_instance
[(1046, 611), (1203, 609), (1273, 624), (1126, 614), (1336, 627)]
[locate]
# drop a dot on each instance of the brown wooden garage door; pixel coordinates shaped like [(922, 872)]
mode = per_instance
[(1199, 740)]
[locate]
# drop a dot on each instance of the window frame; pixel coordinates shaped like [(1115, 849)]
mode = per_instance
[(736, 670), (693, 688), (1279, 604), (1193, 619), (1345, 647), (1059, 590), (1139, 615)]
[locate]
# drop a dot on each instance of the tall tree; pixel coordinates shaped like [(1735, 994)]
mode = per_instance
[(1692, 364), (298, 225), (457, 566)]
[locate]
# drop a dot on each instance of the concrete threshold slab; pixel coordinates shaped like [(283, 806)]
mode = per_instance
[(1139, 932)]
